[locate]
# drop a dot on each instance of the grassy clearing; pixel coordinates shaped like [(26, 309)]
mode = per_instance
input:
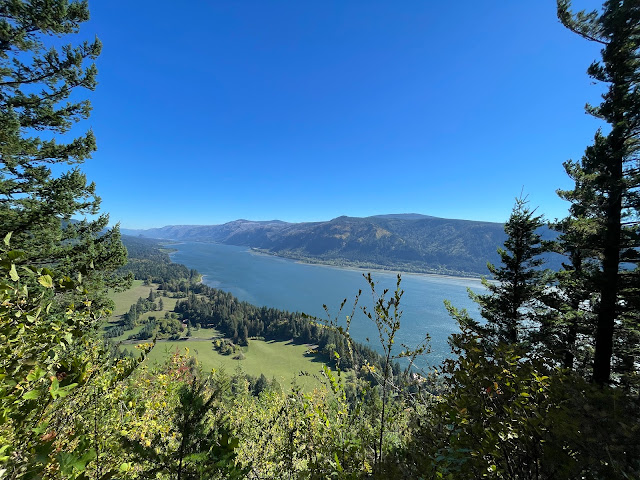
[(282, 360), (205, 334), (124, 300)]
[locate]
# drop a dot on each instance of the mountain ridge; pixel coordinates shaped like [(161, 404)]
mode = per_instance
[(407, 242)]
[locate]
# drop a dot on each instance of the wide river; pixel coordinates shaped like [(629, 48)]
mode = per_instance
[(289, 285)]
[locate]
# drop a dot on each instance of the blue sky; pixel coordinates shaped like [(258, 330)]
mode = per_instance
[(209, 111)]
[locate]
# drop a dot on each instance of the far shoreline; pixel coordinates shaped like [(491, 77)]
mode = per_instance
[(353, 268)]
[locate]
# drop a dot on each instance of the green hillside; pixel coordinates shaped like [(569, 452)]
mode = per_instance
[(411, 243)]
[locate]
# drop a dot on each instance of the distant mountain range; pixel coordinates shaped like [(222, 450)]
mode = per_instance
[(405, 242)]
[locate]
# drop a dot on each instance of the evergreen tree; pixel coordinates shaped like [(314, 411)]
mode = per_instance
[(511, 307), (605, 201), (260, 384), (195, 447), (244, 337), (39, 104), (567, 329)]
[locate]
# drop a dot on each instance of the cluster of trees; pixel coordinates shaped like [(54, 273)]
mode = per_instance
[(240, 321), (584, 316), (544, 386), (167, 327), (148, 261), (225, 346), (547, 385), (142, 305)]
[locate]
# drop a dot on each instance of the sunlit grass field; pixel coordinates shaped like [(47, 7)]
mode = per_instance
[(286, 362), (124, 300)]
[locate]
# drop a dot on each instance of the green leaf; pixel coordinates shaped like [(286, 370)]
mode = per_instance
[(13, 254), (40, 428), (70, 464), (46, 281), (63, 391), (13, 273), (31, 395), (7, 238), (36, 374)]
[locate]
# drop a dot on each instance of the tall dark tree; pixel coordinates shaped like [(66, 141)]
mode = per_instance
[(567, 328), (39, 104), (605, 200), (511, 306)]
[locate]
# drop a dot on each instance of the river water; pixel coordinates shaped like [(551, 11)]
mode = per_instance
[(281, 283)]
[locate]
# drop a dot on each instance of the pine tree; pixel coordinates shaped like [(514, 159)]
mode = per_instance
[(197, 446), (244, 336), (568, 325), (510, 308), (603, 222), (39, 86)]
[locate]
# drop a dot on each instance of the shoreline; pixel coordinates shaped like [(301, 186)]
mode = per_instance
[(355, 268), (318, 263)]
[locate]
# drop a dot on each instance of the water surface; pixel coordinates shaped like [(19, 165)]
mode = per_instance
[(281, 283)]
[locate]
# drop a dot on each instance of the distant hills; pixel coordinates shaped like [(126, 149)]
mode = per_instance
[(405, 242)]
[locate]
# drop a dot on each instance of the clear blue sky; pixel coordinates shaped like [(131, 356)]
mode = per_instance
[(209, 111)]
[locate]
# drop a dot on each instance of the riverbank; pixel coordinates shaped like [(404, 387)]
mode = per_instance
[(403, 269), (364, 267)]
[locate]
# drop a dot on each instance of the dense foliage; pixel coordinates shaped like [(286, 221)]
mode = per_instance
[(149, 261), (543, 386), (39, 105), (209, 307)]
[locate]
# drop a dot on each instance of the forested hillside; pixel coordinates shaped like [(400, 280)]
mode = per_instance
[(412, 243), (544, 384), (148, 261)]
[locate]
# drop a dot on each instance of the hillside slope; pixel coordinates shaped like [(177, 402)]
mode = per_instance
[(409, 242)]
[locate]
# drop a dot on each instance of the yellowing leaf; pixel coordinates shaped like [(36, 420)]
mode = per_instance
[(46, 281), (13, 273)]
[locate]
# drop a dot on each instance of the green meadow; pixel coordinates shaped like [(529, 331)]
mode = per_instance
[(288, 363), (124, 300)]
